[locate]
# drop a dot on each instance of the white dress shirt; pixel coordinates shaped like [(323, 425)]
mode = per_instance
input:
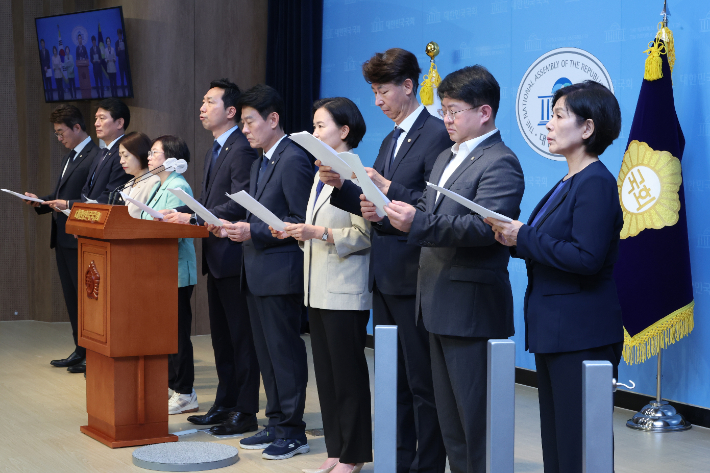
[(406, 125), (460, 152)]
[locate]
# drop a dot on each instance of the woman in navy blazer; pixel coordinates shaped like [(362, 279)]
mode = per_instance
[(570, 245)]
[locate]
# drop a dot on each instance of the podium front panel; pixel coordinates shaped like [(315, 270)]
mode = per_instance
[(93, 294)]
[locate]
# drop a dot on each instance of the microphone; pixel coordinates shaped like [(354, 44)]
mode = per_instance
[(170, 164)]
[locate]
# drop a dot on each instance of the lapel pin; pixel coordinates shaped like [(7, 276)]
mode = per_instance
[(409, 140), (226, 149)]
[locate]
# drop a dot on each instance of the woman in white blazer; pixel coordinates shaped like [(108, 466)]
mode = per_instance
[(336, 247), (110, 55), (133, 150)]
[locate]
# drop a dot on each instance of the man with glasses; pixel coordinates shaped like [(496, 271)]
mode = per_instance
[(463, 292), (70, 130), (401, 171)]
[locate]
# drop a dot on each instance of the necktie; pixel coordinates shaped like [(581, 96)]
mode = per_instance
[(72, 154), (105, 152), (262, 168), (319, 188), (215, 154), (390, 152)]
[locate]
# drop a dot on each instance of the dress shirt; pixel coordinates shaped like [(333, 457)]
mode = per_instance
[(110, 145), (406, 125), (460, 152), (77, 150), (272, 150), (222, 139)]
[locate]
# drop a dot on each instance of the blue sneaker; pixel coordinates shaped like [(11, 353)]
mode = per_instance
[(258, 441), (282, 449)]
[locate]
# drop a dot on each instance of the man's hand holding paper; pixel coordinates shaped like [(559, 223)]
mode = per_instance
[(401, 215)]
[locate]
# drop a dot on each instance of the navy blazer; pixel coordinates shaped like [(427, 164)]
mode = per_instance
[(464, 289), (222, 257), (571, 301), (394, 263), (109, 176), (68, 188), (271, 266)]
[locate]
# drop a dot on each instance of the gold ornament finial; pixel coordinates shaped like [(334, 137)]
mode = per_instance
[(432, 50)]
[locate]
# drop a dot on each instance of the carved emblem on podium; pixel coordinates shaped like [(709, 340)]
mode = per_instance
[(92, 280)]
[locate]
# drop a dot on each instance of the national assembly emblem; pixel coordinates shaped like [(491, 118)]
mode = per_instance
[(648, 189)]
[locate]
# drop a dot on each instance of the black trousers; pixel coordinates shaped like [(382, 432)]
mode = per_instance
[(60, 88), (233, 345), (181, 366), (48, 88), (338, 343), (275, 323), (559, 379), (459, 366), (72, 86), (67, 266), (112, 83), (417, 421), (123, 75), (98, 81)]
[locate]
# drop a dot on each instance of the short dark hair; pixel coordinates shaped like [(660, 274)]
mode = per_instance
[(591, 100), (68, 115), (265, 100), (79, 35), (93, 38), (344, 112), (138, 144), (231, 94), (54, 48), (393, 66), (41, 41), (174, 147), (117, 109), (475, 85), (119, 31)]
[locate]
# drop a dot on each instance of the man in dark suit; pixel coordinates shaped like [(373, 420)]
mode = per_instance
[(122, 64), (95, 57), (272, 272), (70, 130), (463, 291), (106, 173), (46, 61), (227, 167), (401, 170), (81, 53)]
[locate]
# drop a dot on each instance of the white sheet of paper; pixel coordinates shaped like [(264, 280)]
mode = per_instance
[(479, 209), (323, 152), (66, 212), (89, 201), (143, 207), (22, 196), (371, 191), (196, 207), (255, 207)]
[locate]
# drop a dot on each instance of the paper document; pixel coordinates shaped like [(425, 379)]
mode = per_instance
[(253, 206), (22, 196), (321, 151), (196, 207), (482, 211), (371, 191), (88, 201), (66, 212), (143, 207)]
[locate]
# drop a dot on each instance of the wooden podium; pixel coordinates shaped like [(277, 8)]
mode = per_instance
[(82, 66), (128, 282)]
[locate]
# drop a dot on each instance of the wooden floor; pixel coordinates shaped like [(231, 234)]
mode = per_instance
[(42, 408)]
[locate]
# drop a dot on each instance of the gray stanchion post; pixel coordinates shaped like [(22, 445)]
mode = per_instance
[(500, 415), (385, 398), (597, 413)]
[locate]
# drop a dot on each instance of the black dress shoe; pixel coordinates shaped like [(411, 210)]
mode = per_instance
[(216, 415), (238, 423), (80, 368), (71, 360)]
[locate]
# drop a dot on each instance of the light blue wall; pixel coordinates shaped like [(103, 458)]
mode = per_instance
[(506, 36)]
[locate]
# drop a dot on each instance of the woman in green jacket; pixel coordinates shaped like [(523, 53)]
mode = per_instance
[(69, 71), (181, 370)]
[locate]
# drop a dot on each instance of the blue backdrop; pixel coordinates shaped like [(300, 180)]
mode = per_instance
[(506, 36)]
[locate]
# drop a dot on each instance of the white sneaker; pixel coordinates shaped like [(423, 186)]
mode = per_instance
[(183, 403), (171, 393)]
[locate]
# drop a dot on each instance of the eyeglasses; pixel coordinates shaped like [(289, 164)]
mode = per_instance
[(152, 153), (451, 114), (59, 134)]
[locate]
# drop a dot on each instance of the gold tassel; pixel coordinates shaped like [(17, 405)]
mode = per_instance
[(654, 63), (666, 35), (666, 331), (430, 81)]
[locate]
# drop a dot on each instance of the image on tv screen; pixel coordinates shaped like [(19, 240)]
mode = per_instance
[(83, 56)]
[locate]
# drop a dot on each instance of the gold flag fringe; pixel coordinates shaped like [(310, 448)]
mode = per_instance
[(662, 44), (430, 82), (666, 331)]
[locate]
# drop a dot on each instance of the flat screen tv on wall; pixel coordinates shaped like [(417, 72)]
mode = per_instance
[(84, 55)]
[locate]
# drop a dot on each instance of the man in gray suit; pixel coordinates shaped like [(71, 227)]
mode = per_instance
[(463, 290)]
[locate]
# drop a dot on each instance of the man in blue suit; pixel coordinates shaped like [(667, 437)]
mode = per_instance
[(227, 167), (272, 272), (81, 53), (401, 170)]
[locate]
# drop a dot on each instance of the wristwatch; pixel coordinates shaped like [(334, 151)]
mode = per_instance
[(193, 219), (325, 235)]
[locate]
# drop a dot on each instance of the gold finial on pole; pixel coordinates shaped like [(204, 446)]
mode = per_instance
[(432, 50)]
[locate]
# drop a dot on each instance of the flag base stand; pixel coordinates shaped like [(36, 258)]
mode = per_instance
[(658, 415)]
